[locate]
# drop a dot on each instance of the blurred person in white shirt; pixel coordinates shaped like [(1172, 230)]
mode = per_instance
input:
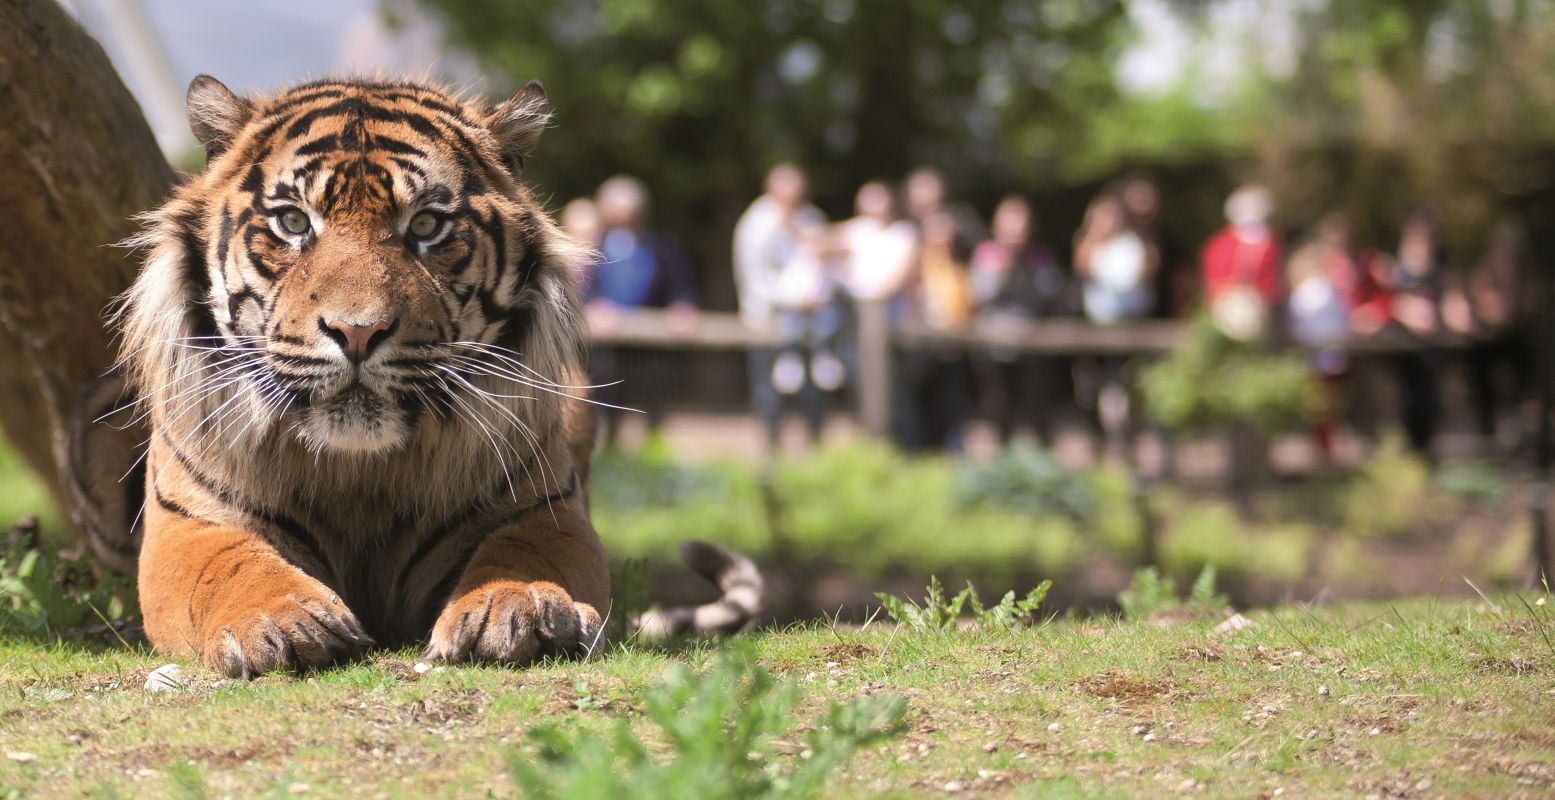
[(784, 287)]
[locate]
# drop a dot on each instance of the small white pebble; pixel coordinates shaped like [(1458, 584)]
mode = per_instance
[(1322, 691), (1234, 623), (1020, 756), (991, 747), (422, 668), (298, 788), (21, 756), (954, 786), (1539, 602), (168, 677), (1140, 730), (1375, 732), (1054, 727), (1149, 737), (1188, 785)]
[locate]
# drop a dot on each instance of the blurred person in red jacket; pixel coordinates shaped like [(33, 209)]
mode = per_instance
[(1241, 266)]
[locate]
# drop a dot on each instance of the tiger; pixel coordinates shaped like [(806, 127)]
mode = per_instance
[(357, 342)]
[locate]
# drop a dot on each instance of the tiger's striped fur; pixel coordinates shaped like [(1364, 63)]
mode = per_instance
[(360, 433)]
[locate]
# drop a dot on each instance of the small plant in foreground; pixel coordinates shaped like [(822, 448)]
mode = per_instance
[(1151, 593), (939, 614), (721, 729), (49, 594)]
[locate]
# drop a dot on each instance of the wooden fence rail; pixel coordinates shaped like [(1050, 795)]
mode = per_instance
[(876, 340)]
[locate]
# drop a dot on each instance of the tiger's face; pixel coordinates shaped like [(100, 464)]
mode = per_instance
[(359, 259)]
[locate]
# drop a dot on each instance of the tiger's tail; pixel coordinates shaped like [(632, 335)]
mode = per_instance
[(736, 610)]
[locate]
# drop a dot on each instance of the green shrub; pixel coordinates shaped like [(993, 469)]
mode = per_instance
[(1027, 479), (1389, 495), (1115, 522), (1211, 380), (644, 504), (719, 731), (1205, 534), (871, 507), (1211, 533), (1473, 482)]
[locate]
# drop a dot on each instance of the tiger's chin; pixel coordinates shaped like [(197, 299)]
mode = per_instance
[(356, 421)]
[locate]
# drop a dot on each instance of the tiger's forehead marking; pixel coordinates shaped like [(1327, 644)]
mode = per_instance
[(368, 147)]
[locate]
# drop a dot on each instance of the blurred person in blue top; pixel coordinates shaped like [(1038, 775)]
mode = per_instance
[(786, 286), (638, 268)]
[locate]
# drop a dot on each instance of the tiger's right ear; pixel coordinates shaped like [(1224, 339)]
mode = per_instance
[(215, 114)]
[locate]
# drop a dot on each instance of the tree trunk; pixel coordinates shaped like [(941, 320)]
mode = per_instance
[(77, 161)]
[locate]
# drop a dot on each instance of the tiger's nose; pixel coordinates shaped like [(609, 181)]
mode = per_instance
[(358, 341)]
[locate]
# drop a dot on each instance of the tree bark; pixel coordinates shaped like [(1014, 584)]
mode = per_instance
[(77, 162)]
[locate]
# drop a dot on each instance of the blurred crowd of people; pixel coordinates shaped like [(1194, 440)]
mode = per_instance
[(931, 261)]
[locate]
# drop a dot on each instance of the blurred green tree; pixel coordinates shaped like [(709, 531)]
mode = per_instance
[(1389, 105), (699, 97)]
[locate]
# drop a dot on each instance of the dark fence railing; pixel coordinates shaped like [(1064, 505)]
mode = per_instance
[(876, 339)]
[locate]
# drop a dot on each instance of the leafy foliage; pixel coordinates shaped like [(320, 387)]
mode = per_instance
[(1028, 479), (939, 614), (1475, 482), (46, 594), (646, 502), (720, 730), (1388, 497), (1211, 380), (1151, 593), (699, 97)]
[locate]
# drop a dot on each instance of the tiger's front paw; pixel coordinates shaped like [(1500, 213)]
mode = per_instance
[(293, 631), (515, 623)]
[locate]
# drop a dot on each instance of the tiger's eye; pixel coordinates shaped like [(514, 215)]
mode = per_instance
[(424, 225), (294, 221)]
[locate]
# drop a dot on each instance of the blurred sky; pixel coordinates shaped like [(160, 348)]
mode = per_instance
[(158, 46)]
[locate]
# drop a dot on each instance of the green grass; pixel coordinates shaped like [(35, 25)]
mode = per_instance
[(1436, 697)]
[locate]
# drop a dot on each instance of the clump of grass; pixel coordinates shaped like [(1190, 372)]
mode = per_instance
[(1151, 594), (937, 613), (721, 730)]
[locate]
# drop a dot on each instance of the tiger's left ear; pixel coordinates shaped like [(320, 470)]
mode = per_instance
[(517, 123)]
